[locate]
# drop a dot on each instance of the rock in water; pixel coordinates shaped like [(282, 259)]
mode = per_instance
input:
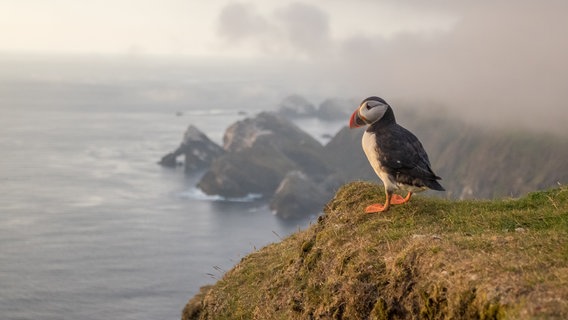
[(296, 106), (335, 109), (344, 153), (198, 149), (169, 160), (298, 196), (260, 152)]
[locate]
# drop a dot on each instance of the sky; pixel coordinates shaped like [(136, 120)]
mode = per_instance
[(213, 27), (491, 61)]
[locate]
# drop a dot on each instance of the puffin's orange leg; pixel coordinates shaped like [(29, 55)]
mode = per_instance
[(377, 207), (396, 199)]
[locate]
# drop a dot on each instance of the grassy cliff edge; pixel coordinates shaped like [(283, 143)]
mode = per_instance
[(428, 259)]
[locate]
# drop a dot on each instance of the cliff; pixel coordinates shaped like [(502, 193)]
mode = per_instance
[(427, 259)]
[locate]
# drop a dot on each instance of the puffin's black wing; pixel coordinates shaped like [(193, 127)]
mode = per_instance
[(402, 155)]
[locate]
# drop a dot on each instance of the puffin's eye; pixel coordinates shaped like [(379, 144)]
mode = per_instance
[(367, 106)]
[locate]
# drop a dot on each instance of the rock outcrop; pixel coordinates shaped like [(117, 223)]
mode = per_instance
[(298, 195), (296, 106), (260, 152), (336, 109), (198, 149), (345, 154), (333, 109)]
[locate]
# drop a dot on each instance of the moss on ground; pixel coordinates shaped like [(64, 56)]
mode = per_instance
[(427, 259)]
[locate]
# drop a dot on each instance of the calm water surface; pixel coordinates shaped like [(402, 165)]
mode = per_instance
[(92, 228)]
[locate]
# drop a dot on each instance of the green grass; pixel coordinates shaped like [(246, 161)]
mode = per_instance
[(427, 259)]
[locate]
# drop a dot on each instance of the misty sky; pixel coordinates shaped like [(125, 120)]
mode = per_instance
[(213, 27), (488, 60)]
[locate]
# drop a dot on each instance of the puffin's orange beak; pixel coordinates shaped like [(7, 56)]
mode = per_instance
[(356, 121)]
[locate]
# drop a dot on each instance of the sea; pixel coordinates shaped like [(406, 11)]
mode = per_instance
[(91, 227)]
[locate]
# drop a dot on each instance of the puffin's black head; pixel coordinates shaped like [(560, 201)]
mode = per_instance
[(369, 111)]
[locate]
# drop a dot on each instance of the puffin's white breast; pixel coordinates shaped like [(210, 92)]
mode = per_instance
[(369, 143)]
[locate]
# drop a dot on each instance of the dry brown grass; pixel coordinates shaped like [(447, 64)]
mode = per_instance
[(429, 259)]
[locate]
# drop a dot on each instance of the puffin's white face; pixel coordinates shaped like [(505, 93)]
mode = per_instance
[(371, 111), (368, 112)]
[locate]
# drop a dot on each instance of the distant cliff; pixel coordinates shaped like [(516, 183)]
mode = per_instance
[(428, 259)]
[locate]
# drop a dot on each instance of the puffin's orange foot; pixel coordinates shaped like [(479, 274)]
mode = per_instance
[(375, 207), (396, 199)]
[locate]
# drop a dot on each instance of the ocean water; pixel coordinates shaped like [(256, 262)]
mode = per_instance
[(92, 228)]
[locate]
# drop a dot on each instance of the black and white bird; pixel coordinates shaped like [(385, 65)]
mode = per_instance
[(395, 154)]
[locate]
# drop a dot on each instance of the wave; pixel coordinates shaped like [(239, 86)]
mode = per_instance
[(197, 194)]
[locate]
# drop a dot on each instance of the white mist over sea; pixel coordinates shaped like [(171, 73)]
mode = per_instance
[(90, 226)]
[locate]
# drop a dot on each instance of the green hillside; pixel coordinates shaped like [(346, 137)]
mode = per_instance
[(428, 259)]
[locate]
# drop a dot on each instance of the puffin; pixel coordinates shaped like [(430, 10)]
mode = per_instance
[(396, 154)]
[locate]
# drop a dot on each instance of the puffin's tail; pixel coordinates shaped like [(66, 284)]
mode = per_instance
[(434, 185)]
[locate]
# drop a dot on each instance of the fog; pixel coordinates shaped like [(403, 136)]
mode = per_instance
[(489, 62), (495, 62)]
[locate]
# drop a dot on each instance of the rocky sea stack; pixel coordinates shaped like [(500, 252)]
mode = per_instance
[(199, 151), (265, 155), (260, 152)]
